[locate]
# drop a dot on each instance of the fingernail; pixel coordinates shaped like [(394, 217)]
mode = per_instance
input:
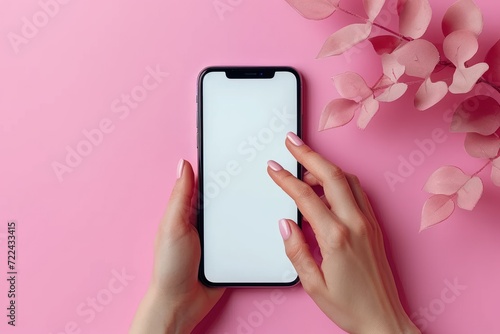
[(274, 165), (180, 167), (285, 229), (294, 139)]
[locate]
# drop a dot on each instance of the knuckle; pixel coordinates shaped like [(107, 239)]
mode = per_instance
[(304, 192), (340, 237), (184, 206), (355, 180), (361, 228), (182, 196), (335, 173), (311, 287), (287, 177), (306, 154), (305, 266), (295, 253)]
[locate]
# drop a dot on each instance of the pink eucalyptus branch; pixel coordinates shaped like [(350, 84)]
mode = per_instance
[(405, 53)]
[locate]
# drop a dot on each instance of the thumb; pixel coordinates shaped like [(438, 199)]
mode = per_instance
[(179, 207), (298, 252)]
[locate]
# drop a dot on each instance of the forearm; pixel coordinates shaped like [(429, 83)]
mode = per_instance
[(398, 324), (155, 316), (401, 328)]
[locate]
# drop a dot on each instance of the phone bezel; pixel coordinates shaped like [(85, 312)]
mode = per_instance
[(251, 72)]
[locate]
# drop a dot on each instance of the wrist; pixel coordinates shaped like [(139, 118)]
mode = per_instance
[(399, 325), (173, 315), (407, 326), (175, 322), (157, 314)]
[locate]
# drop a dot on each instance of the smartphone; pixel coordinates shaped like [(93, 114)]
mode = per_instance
[(244, 114)]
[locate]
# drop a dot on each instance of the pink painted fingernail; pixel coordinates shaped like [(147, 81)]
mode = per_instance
[(294, 139), (274, 165), (285, 229), (180, 167)]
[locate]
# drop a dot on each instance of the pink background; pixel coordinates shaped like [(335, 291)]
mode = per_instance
[(75, 235)]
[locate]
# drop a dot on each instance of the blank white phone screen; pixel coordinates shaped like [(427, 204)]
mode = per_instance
[(245, 121)]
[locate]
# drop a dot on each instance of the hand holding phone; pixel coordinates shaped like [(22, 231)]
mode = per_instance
[(176, 301), (353, 285)]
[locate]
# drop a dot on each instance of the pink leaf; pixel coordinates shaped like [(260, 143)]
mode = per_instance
[(372, 8), (483, 147), (383, 83), (480, 114), (419, 57), (464, 79), (436, 209), (447, 180), (414, 17), (493, 60), (495, 172), (337, 113), (463, 15), (470, 193), (430, 93), (391, 67), (385, 43), (368, 110), (459, 47), (352, 86), (315, 9), (344, 39), (392, 93)]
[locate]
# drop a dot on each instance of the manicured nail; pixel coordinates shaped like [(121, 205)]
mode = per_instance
[(180, 167), (274, 165), (294, 139), (285, 229)]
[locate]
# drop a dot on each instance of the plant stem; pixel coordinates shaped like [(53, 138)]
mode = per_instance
[(455, 195), (409, 83), (446, 63), (364, 19), (482, 168), (408, 39), (495, 87)]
